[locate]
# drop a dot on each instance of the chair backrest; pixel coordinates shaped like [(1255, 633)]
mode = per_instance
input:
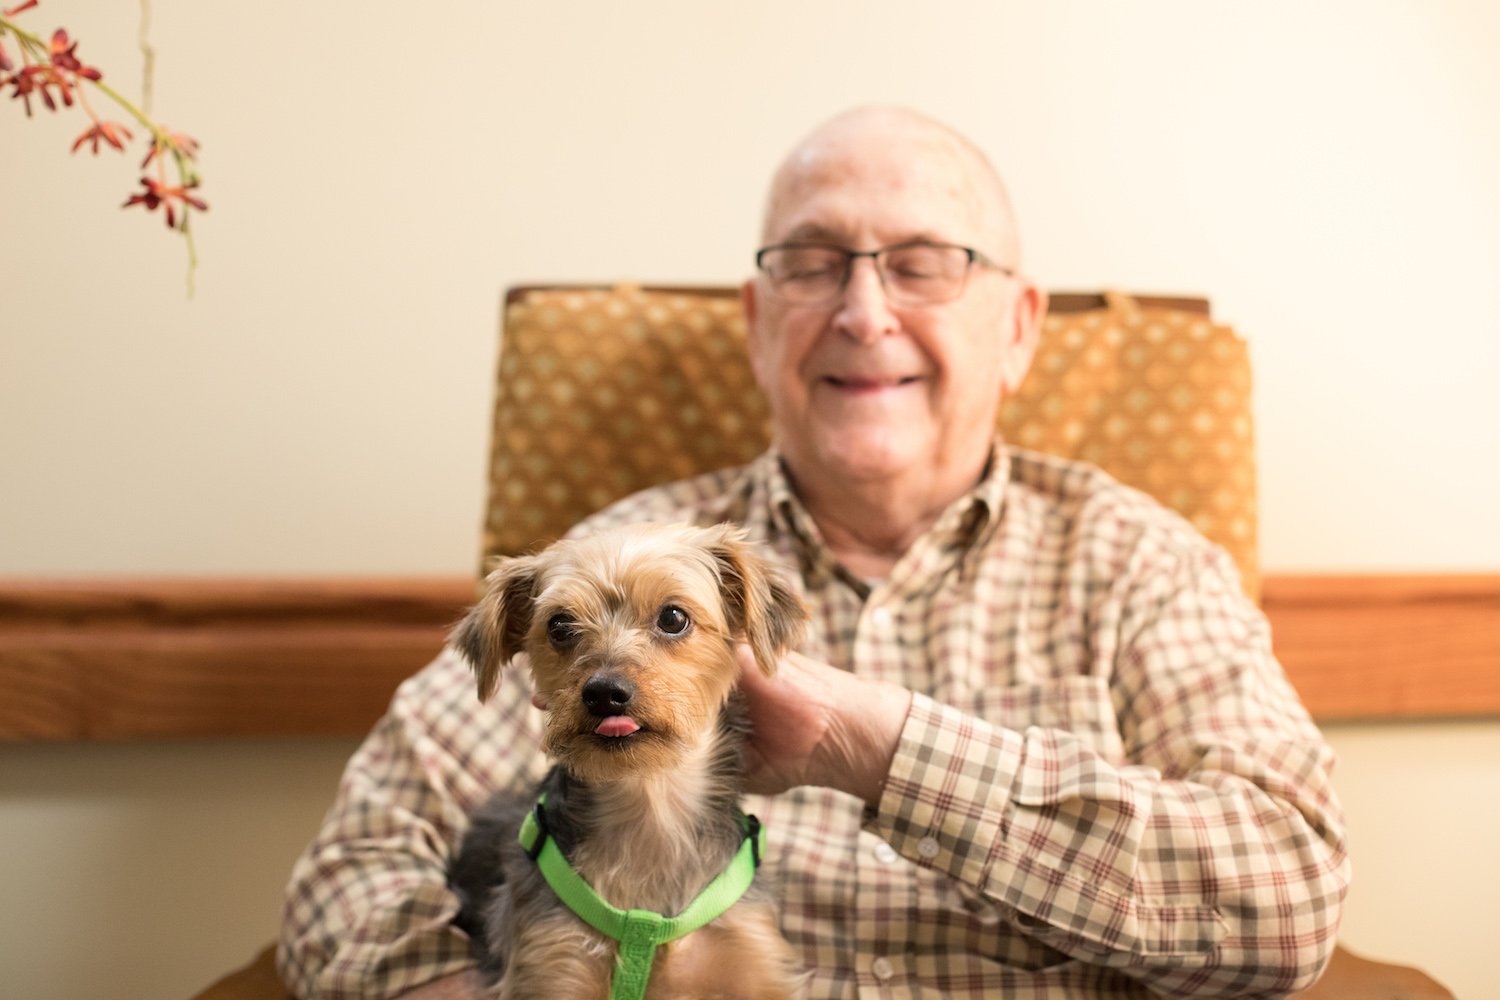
[(605, 391)]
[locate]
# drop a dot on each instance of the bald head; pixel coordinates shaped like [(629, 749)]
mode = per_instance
[(865, 136)]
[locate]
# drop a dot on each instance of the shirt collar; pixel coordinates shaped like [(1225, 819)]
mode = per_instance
[(965, 526)]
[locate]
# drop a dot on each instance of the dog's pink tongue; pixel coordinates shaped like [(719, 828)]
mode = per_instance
[(617, 725)]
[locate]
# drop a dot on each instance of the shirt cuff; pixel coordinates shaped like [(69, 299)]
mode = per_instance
[(948, 790)]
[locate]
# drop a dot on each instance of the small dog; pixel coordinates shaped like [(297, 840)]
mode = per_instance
[(631, 636)]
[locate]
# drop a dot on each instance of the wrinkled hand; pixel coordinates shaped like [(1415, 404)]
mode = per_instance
[(817, 725)]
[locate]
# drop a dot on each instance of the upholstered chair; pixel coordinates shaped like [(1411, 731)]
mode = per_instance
[(603, 391)]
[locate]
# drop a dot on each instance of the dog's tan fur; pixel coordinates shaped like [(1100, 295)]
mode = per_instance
[(648, 789)]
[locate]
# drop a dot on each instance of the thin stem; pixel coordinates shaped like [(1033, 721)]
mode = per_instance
[(192, 249), (148, 57), (135, 112), (83, 100), (26, 38)]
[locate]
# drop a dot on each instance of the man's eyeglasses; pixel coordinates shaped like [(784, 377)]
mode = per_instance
[(914, 274)]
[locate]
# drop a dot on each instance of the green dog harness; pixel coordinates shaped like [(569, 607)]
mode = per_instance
[(639, 932)]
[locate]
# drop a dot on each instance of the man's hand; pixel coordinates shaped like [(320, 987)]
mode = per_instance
[(817, 725)]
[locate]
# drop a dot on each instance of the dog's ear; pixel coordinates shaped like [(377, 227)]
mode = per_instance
[(757, 600), (494, 629)]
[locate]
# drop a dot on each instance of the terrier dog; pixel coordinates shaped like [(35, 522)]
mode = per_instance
[(631, 637)]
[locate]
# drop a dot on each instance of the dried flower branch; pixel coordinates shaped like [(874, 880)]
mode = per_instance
[(52, 72)]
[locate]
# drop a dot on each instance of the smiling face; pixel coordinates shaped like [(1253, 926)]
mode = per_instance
[(863, 390)]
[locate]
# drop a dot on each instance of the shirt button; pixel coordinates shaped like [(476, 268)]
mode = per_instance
[(881, 617), (885, 854), (928, 848), (882, 968)]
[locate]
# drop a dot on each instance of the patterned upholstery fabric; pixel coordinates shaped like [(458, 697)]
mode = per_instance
[(605, 391)]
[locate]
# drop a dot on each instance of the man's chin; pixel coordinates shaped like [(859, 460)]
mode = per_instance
[(866, 456)]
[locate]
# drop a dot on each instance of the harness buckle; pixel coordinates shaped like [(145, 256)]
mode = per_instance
[(752, 831), (542, 833)]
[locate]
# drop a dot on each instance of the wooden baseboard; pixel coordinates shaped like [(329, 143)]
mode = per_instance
[(180, 659)]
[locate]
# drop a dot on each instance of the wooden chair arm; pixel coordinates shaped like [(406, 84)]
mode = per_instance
[(1353, 977), (256, 981)]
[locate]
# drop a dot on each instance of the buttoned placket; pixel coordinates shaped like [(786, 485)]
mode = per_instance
[(885, 889)]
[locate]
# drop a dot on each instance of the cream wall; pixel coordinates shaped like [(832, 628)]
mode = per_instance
[(379, 172)]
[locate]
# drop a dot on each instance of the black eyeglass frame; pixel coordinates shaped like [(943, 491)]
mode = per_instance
[(850, 256)]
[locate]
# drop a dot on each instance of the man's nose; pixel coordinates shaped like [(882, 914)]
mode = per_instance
[(864, 310)]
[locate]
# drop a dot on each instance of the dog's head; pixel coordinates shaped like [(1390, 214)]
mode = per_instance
[(631, 635)]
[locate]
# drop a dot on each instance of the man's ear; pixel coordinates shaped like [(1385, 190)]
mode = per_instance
[(754, 349), (495, 629), (1022, 334), (759, 604)]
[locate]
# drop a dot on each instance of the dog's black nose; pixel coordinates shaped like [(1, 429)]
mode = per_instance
[(607, 694)]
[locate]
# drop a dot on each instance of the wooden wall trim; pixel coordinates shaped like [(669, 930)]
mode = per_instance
[(1382, 647), (171, 659), (183, 659)]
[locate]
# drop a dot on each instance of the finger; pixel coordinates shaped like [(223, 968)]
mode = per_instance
[(753, 681)]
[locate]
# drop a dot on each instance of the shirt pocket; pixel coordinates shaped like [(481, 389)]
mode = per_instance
[(1079, 705)]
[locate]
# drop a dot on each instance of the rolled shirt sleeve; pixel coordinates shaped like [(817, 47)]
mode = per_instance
[(1205, 858)]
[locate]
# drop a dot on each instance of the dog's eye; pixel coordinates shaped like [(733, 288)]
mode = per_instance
[(562, 630), (672, 620)]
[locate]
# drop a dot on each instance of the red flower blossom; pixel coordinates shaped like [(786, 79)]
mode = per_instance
[(186, 145), (5, 63), (110, 132), (66, 57), (12, 12), (160, 194), (38, 80)]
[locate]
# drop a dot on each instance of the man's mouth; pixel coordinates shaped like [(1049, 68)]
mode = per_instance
[(870, 383)]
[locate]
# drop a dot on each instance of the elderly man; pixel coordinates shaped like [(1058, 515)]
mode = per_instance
[(1035, 743)]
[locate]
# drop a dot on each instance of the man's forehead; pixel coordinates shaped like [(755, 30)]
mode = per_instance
[(891, 178), (852, 232), (896, 159), (891, 197)]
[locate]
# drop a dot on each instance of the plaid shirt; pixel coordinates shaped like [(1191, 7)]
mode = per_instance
[(1105, 784)]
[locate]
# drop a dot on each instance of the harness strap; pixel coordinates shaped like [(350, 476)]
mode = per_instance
[(639, 932)]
